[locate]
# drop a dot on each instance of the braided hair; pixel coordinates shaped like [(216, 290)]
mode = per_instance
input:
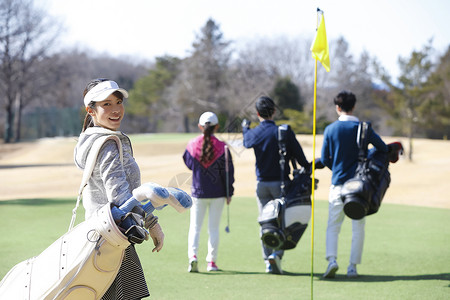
[(207, 147)]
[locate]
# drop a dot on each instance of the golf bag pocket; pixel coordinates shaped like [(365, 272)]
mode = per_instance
[(298, 207), (362, 194), (283, 224), (81, 264), (296, 220), (272, 234)]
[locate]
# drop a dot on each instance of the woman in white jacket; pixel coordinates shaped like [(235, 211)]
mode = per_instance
[(113, 179)]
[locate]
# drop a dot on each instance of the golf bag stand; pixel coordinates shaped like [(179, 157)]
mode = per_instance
[(362, 194), (283, 221)]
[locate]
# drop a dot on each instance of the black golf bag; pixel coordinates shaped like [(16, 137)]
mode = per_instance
[(283, 221), (362, 194)]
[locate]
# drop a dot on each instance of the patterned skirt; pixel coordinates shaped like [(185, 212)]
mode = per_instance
[(130, 281)]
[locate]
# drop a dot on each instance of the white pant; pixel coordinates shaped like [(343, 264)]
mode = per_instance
[(335, 218), (198, 211)]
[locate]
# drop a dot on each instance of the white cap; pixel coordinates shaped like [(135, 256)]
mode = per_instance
[(102, 90), (208, 117)]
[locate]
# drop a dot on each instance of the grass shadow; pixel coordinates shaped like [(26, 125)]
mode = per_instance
[(389, 278), (38, 201), (234, 272)]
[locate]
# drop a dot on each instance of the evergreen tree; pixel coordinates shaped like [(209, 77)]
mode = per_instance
[(287, 94), (435, 110), (404, 102), (148, 93), (203, 78)]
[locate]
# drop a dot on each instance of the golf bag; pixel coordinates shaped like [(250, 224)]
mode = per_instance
[(362, 194), (283, 221), (83, 263)]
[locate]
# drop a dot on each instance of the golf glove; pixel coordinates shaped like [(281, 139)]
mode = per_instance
[(245, 123), (157, 236)]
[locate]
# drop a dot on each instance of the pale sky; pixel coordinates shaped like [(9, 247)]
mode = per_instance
[(145, 29)]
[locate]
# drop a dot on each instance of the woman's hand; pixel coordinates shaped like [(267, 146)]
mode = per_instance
[(157, 236)]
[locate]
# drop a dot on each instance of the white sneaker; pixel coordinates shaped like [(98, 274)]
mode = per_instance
[(268, 267), (193, 264), (212, 267), (351, 272), (331, 270), (275, 263)]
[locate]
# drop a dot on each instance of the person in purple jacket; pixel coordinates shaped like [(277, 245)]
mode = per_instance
[(340, 155), (205, 155)]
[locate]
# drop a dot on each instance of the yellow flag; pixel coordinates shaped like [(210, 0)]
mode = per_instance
[(319, 47)]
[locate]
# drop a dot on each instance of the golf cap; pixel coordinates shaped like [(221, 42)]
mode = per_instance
[(102, 90), (208, 118)]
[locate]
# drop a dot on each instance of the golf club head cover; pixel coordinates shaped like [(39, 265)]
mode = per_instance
[(179, 199), (152, 196), (158, 197)]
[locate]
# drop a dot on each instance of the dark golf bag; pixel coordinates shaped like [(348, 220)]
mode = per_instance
[(362, 194), (283, 221)]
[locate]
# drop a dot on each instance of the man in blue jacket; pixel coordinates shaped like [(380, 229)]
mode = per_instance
[(340, 155), (264, 141)]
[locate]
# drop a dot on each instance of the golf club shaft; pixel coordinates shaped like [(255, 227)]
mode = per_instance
[(227, 181)]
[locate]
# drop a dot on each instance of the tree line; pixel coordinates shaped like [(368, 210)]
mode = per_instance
[(40, 84)]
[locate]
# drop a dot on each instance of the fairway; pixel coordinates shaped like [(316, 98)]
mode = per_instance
[(406, 253)]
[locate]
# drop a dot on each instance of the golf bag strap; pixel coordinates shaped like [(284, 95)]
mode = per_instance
[(362, 140), (282, 130), (282, 139), (89, 168)]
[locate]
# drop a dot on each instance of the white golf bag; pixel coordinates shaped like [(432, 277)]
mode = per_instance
[(83, 263)]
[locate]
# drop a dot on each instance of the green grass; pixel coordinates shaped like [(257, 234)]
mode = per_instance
[(406, 254)]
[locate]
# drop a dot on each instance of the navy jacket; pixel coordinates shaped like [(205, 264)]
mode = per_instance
[(340, 150), (264, 141)]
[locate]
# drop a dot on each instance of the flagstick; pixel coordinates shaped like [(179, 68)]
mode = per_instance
[(313, 171), (313, 179)]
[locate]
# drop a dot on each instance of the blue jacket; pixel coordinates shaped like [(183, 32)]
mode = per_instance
[(340, 149), (264, 141), (209, 179)]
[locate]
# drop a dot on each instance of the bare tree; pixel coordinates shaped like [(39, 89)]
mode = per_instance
[(57, 91), (26, 35)]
